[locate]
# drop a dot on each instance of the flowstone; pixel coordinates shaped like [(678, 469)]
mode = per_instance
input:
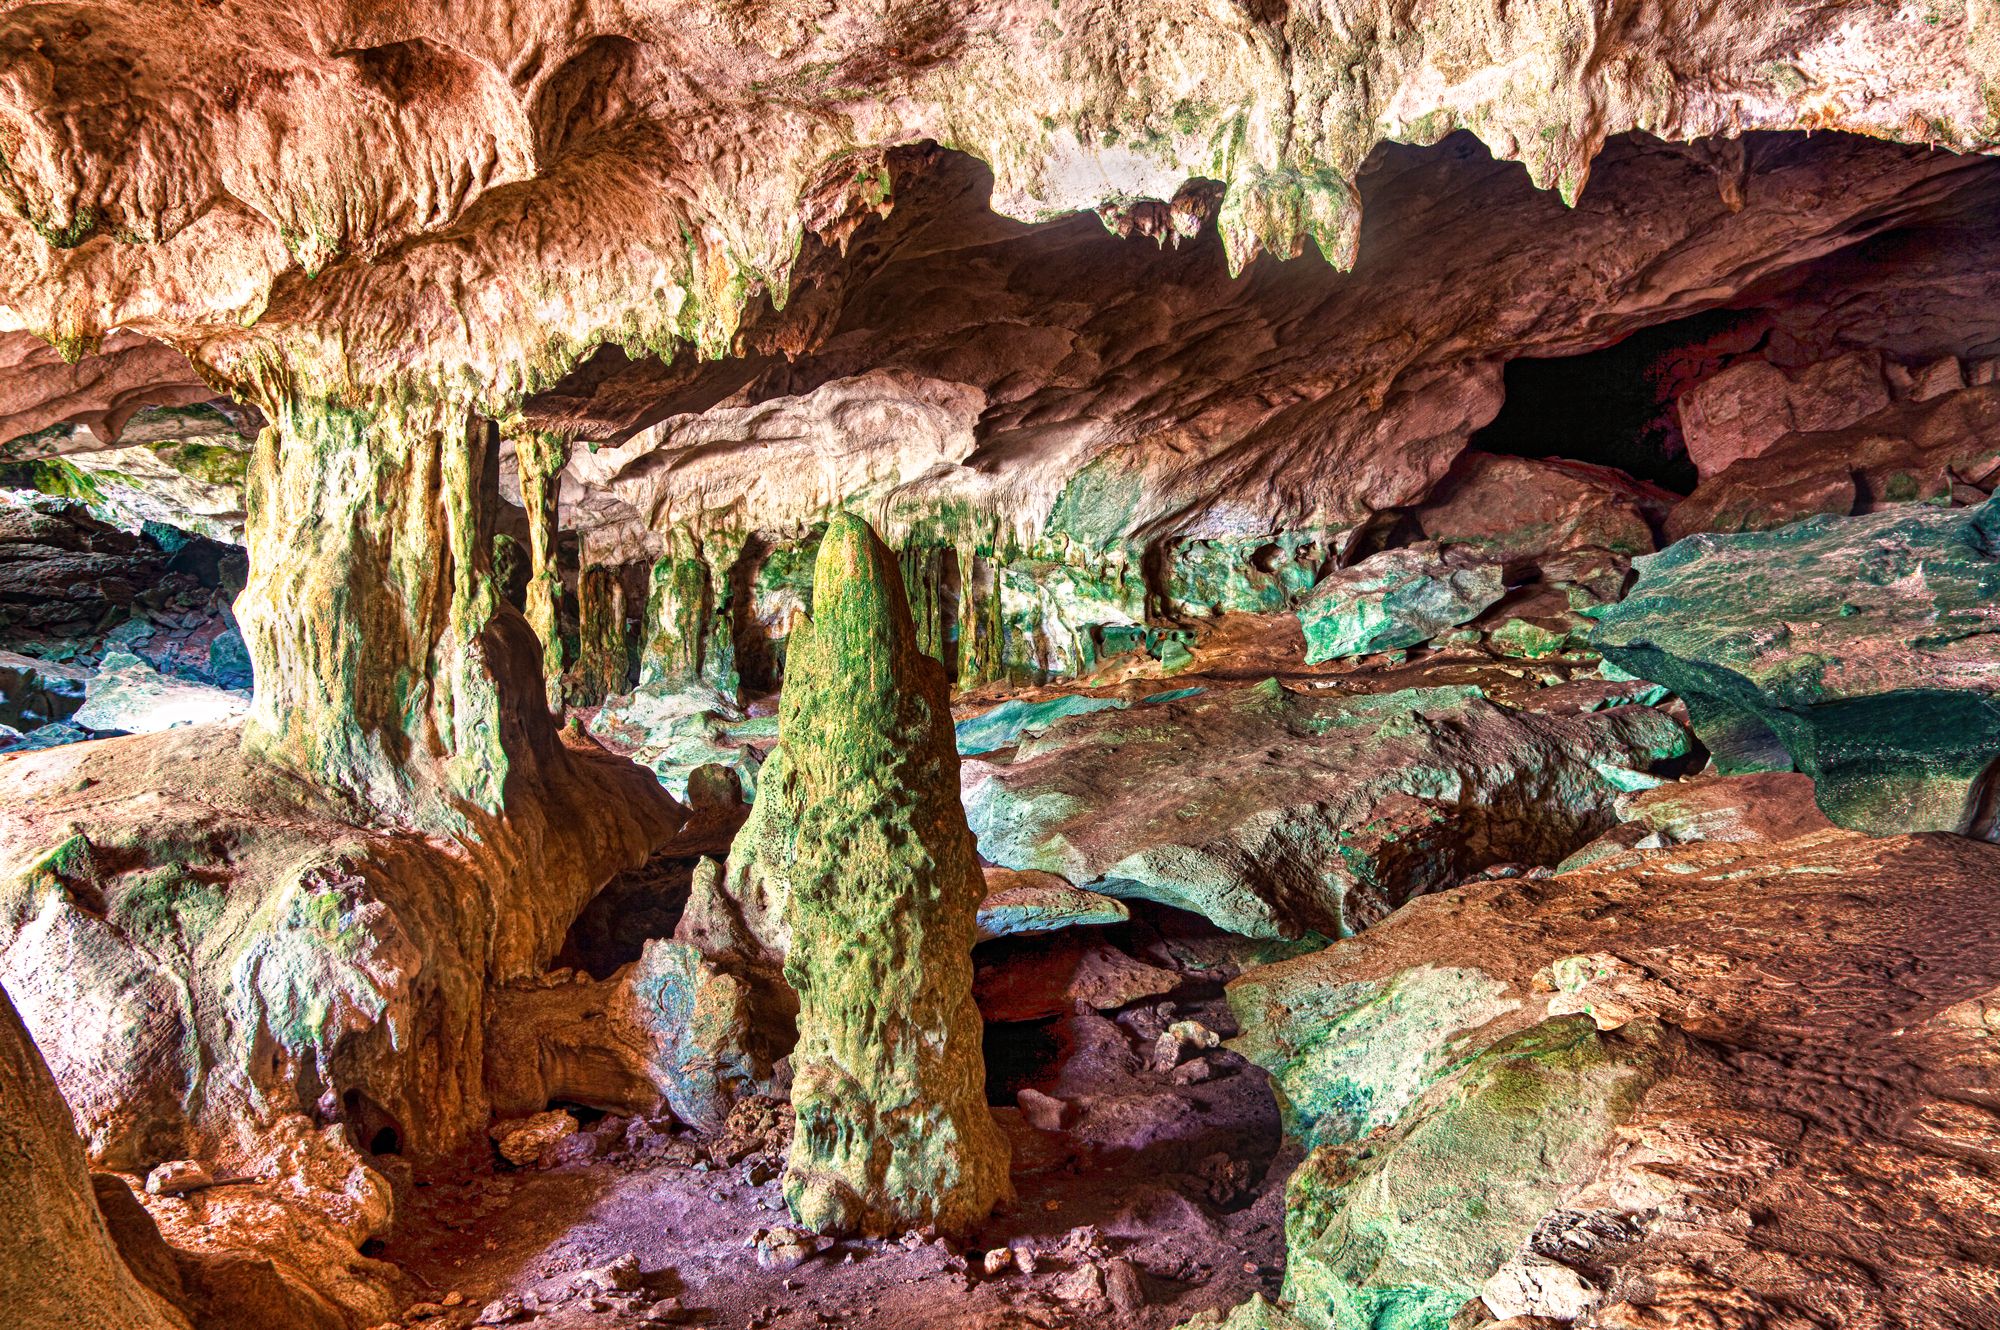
[(858, 832)]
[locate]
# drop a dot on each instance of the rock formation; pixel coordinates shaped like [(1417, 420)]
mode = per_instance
[(1273, 813), (858, 829), (63, 1268), (1860, 649), (1339, 475)]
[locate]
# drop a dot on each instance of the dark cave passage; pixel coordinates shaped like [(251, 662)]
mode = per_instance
[(631, 910), (1616, 406)]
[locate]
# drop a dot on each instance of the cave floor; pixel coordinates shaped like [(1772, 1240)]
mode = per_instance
[(1132, 1176)]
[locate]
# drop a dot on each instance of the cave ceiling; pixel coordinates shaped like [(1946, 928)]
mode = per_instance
[(357, 199)]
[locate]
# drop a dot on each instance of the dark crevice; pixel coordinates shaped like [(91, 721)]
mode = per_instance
[(1616, 406)]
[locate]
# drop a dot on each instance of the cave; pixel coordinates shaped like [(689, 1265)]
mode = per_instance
[(990, 665)]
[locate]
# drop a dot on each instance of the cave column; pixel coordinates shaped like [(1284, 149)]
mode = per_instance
[(540, 457), (384, 668), (678, 609), (603, 656)]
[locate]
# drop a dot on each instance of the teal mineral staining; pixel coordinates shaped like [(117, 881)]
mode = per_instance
[(1398, 598), (1274, 814), (1005, 725), (1857, 649), (1399, 1231), (1346, 1058)]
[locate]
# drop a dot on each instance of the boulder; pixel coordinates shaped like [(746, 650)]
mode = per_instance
[(1940, 450), (1408, 1227), (1031, 984), (1858, 649), (1274, 814), (1515, 507), (129, 696), (1398, 598), (1520, 1022), (1744, 410), (1023, 902)]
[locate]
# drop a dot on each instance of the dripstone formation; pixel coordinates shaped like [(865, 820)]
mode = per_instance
[(859, 825), (953, 664)]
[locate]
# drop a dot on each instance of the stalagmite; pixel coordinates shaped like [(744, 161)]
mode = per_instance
[(859, 818)]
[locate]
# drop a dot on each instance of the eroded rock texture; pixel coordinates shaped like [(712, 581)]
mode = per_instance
[(1859, 648), (62, 1268), (1506, 1036), (1274, 814), (859, 832)]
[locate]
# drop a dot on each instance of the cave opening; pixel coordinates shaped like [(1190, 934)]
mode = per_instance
[(632, 909), (370, 1126), (1616, 405)]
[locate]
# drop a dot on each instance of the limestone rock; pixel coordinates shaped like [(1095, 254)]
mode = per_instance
[(879, 886), (1018, 903), (1050, 979), (1907, 452), (522, 1141), (1859, 648), (128, 696), (1409, 1228), (177, 1177), (1273, 813), (1748, 407), (1011, 721), (62, 1267), (1523, 507), (1347, 1058), (1753, 942), (1398, 598)]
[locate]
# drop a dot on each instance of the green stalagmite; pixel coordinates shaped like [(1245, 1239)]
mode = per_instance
[(858, 820)]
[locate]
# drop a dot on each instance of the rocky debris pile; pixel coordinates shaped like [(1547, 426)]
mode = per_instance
[(1273, 813), (129, 696), (1860, 649)]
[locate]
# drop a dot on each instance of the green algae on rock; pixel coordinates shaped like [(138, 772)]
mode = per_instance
[(1402, 1230), (1346, 1058), (1273, 814), (1398, 598), (1860, 649), (859, 825)]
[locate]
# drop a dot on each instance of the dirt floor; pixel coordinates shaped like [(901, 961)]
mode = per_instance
[(1147, 1192)]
